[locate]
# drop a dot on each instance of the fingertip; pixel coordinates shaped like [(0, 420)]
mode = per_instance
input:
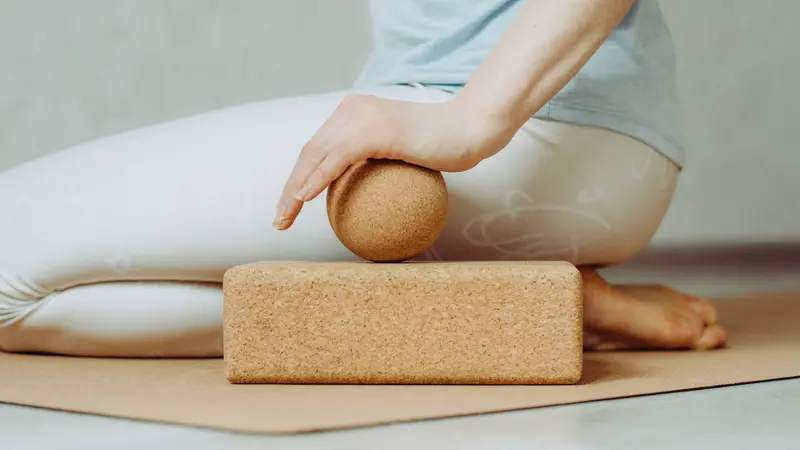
[(281, 223), (286, 214)]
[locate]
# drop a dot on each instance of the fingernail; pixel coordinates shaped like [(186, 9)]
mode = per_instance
[(302, 194), (280, 216), (280, 223)]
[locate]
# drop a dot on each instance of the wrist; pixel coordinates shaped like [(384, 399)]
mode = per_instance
[(491, 125)]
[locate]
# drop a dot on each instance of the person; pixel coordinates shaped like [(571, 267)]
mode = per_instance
[(555, 124)]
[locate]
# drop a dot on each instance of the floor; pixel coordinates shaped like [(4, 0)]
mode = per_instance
[(760, 415)]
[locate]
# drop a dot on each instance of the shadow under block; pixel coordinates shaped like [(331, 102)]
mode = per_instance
[(406, 323)]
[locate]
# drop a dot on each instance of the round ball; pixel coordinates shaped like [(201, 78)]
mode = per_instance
[(387, 210)]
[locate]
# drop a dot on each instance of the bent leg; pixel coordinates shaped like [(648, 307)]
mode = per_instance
[(170, 205), (126, 318), (107, 247), (585, 195), (177, 201)]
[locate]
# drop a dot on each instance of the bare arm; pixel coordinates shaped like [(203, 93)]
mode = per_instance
[(541, 51)]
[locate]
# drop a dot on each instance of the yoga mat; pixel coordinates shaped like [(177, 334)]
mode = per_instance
[(764, 345)]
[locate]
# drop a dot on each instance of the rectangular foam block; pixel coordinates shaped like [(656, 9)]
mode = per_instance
[(407, 323)]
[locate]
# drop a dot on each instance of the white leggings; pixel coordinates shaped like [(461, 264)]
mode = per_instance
[(117, 247)]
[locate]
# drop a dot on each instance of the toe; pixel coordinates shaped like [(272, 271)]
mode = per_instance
[(703, 308), (597, 342), (713, 337), (679, 331)]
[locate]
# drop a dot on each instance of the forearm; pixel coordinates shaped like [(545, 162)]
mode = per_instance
[(541, 51)]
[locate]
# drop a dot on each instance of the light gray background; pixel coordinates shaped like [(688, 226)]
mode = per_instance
[(71, 71), (74, 70)]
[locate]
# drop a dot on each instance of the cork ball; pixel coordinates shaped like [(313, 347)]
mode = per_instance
[(387, 210)]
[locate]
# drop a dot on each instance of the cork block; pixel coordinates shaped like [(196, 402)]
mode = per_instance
[(405, 323)]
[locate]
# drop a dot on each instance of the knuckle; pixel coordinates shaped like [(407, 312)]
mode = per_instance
[(341, 161), (331, 165), (316, 176)]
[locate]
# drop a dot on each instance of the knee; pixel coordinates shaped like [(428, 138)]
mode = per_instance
[(18, 298)]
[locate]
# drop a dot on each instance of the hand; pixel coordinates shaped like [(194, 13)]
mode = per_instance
[(441, 136)]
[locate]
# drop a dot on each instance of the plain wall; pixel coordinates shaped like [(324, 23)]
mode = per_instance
[(739, 67), (72, 71)]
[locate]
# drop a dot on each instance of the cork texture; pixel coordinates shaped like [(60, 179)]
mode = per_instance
[(387, 211), (406, 323)]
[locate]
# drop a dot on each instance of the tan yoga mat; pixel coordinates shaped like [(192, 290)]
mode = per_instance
[(764, 345)]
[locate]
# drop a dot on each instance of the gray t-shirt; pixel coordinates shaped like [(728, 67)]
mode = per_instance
[(628, 86)]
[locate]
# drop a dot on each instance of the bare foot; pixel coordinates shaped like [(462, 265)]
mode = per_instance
[(646, 317)]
